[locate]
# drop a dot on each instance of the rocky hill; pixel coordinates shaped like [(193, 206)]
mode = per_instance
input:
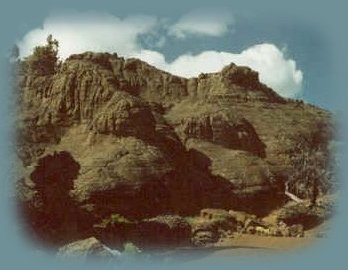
[(148, 143)]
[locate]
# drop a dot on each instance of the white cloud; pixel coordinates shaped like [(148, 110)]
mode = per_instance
[(90, 32), (107, 33), (202, 22)]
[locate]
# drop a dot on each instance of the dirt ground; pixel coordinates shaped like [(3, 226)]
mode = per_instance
[(245, 244), (249, 245), (264, 243)]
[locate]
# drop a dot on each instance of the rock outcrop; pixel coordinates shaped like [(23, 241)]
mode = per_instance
[(222, 129)]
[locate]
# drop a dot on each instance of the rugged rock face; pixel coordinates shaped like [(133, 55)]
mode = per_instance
[(220, 129), (149, 143)]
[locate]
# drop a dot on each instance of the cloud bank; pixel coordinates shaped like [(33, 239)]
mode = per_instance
[(108, 33)]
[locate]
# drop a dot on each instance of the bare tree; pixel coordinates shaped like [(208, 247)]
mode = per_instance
[(311, 169)]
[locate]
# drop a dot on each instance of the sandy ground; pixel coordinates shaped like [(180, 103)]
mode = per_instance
[(245, 245), (263, 244), (241, 245)]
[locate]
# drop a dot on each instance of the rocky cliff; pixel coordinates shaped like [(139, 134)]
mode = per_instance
[(150, 143)]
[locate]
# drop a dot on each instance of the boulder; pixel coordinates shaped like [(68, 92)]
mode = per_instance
[(203, 238), (302, 214), (296, 230), (220, 217), (241, 217), (163, 231), (211, 225), (87, 249)]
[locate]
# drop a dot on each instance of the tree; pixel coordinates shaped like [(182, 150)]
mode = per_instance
[(311, 164), (14, 53), (44, 60)]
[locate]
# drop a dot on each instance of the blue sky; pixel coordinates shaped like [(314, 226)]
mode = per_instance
[(292, 57)]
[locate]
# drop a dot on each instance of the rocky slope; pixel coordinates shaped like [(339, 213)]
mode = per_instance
[(150, 143)]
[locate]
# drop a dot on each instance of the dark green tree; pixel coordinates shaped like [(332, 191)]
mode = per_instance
[(14, 53), (44, 60)]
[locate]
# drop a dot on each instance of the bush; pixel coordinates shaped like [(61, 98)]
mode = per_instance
[(112, 220), (130, 249)]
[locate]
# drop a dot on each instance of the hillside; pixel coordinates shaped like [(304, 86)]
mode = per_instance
[(148, 143)]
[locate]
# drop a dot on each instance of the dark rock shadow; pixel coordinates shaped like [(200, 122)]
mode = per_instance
[(210, 191), (51, 217)]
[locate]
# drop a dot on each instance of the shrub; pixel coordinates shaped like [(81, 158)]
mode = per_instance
[(112, 220), (130, 249)]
